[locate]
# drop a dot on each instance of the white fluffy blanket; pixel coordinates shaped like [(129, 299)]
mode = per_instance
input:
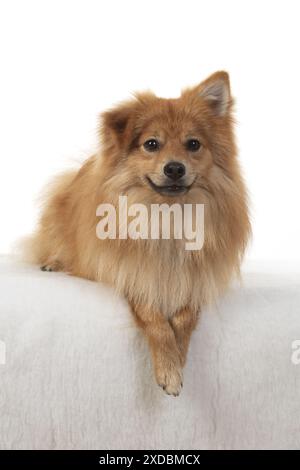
[(77, 373)]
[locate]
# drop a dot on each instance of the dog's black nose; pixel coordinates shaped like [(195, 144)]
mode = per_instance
[(174, 170)]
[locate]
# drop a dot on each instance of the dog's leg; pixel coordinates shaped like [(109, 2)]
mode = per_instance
[(183, 324), (163, 346)]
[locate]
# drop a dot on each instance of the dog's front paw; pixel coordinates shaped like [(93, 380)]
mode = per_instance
[(169, 377), (47, 268), (53, 266)]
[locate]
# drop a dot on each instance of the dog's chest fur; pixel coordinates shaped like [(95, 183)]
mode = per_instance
[(157, 273)]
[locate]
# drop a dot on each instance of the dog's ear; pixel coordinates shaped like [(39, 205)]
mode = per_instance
[(121, 125), (115, 123), (215, 91)]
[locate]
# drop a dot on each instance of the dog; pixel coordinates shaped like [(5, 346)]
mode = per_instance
[(155, 150)]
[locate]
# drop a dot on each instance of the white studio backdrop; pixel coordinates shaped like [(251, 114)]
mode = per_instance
[(64, 61)]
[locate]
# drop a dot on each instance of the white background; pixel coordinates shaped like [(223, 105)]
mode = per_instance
[(62, 62)]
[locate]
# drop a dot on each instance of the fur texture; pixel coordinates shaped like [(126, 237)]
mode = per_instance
[(77, 375), (165, 285)]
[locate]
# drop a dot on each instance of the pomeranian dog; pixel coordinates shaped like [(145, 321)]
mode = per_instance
[(154, 151)]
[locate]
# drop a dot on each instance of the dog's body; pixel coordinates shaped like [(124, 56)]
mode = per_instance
[(150, 152)]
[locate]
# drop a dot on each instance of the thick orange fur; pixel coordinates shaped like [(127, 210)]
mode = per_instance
[(165, 285)]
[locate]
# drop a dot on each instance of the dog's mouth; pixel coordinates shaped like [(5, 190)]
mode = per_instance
[(171, 189)]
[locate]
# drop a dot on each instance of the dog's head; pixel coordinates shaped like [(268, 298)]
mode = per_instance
[(166, 148)]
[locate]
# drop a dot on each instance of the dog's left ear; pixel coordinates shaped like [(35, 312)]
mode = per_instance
[(215, 90)]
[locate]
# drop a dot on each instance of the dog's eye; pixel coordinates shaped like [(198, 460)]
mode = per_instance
[(151, 145), (193, 145)]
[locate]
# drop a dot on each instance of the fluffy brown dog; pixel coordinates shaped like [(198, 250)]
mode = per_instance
[(156, 150)]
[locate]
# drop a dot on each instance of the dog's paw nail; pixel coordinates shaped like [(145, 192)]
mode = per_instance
[(46, 268), (170, 380)]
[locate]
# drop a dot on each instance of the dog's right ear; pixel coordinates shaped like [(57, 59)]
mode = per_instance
[(120, 126), (117, 124)]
